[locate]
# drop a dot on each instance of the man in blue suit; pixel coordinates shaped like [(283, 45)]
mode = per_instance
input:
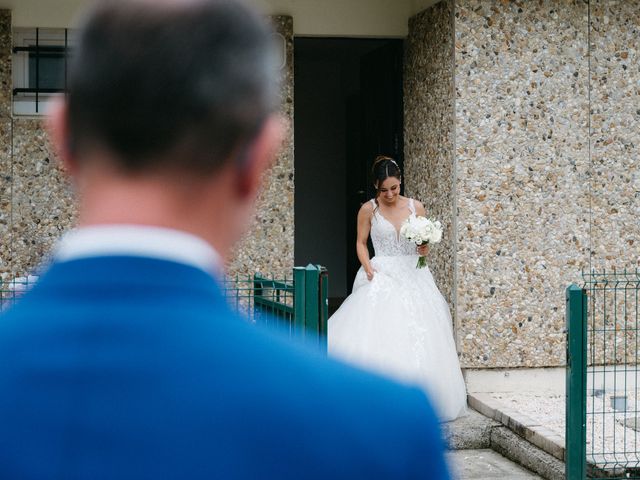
[(124, 361)]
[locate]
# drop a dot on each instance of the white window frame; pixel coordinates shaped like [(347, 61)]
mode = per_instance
[(25, 104)]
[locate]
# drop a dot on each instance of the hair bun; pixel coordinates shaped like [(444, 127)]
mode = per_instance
[(380, 158), (384, 167)]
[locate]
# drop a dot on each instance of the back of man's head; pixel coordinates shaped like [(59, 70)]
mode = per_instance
[(169, 84)]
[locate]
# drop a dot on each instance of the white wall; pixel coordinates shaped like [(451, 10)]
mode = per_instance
[(360, 18), (353, 18), (419, 5), (43, 13)]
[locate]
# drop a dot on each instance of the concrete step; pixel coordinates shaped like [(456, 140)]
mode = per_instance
[(518, 422), (485, 464), (469, 432), (519, 450), (476, 431)]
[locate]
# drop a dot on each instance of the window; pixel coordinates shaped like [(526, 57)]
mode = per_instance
[(39, 67)]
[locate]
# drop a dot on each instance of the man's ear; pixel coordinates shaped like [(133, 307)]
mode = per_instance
[(260, 156), (58, 127)]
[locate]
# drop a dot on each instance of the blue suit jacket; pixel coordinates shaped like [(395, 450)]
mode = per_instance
[(126, 367)]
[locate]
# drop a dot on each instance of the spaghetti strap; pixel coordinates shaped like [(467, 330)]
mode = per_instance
[(375, 209), (412, 207)]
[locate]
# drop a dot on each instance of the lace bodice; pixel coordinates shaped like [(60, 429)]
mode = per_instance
[(386, 239)]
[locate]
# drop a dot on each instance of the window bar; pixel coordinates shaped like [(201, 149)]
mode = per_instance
[(614, 312), (606, 357), (625, 338), (635, 323), (593, 344), (37, 66), (43, 48)]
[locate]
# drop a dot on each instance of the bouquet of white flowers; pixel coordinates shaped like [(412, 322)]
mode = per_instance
[(421, 230)]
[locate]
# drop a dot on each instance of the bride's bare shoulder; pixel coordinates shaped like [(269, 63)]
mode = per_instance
[(418, 203), (366, 208), (419, 207)]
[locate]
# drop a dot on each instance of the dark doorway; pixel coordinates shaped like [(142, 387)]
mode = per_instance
[(348, 109)]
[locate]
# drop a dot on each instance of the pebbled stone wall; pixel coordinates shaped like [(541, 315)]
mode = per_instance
[(522, 176), (499, 145), (615, 134), (268, 245), (515, 169), (5, 142), (42, 200), (429, 129), (615, 173), (37, 203)]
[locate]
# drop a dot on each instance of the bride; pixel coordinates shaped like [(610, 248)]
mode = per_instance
[(396, 321)]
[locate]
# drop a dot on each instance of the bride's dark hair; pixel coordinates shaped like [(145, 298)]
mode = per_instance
[(383, 168)]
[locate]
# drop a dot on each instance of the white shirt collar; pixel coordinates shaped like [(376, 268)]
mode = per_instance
[(138, 241)]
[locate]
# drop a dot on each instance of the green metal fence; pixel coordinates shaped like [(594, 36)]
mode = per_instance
[(603, 380), (11, 290), (297, 304)]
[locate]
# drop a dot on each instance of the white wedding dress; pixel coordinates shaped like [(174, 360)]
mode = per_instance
[(398, 324)]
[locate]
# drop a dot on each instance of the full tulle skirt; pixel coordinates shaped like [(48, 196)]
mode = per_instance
[(399, 325)]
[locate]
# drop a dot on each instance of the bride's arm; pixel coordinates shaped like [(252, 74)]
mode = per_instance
[(364, 227)]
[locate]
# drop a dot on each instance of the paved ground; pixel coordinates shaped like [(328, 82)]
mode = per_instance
[(485, 464)]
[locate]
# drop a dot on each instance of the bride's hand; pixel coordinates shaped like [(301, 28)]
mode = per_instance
[(370, 273), (423, 250)]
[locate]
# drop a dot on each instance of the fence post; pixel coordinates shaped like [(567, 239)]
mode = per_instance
[(257, 292), (576, 384), (324, 306), (312, 310), (310, 302), (299, 300)]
